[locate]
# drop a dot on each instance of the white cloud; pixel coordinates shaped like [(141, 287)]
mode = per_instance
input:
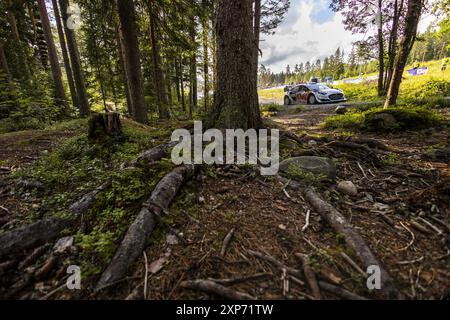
[(300, 38)]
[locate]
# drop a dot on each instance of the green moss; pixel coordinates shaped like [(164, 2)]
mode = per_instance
[(310, 178), (391, 119)]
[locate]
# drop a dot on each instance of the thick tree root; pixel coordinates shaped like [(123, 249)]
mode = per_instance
[(337, 221), (152, 155), (47, 229), (213, 288), (134, 241)]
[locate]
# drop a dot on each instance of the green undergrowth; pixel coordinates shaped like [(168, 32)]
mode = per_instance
[(77, 166), (407, 117)]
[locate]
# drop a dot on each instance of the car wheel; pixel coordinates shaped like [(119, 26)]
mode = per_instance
[(312, 99), (287, 101)]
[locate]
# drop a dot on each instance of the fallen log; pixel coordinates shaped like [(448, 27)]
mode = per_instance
[(337, 221), (213, 288), (134, 241), (42, 231), (152, 155)]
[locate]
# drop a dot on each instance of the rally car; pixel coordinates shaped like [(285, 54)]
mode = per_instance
[(312, 93)]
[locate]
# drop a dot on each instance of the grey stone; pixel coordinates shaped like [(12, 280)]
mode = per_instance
[(347, 187), (341, 110), (316, 165)]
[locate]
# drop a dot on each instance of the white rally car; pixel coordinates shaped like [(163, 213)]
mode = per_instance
[(312, 93)]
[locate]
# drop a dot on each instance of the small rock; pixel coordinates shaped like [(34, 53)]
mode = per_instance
[(282, 227), (341, 110), (171, 239), (201, 199), (63, 245), (312, 143), (317, 165), (347, 187)]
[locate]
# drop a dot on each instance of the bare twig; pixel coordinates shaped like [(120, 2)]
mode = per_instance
[(310, 276), (412, 238), (307, 221), (275, 262), (340, 292), (227, 241), (214, 288), (252, 277), (146, 275), (353, 264)]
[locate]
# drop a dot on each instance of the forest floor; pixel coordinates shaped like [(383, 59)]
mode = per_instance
[(401, 210)]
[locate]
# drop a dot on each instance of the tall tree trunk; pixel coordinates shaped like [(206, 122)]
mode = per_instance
[(393, 42), (54, 63), (205, 57), (63, 45), (177, 80), (380, 51), (257, 32), (4, 65), (23, 73), (193, 70), (409, 36), (120, 52), (236, 99), (75, 60), (158, 76), (183, 97), (127, 17)]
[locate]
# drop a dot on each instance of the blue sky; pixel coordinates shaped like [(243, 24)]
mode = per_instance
[(309, 31)]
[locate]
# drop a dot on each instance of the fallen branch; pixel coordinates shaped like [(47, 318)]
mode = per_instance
[(252, 277), (213, 288), (337, 221), (310, 276), (47, 229), (371, 143), (340, 292), (134, 241), (275, 262), (227, 241), (152, 155)]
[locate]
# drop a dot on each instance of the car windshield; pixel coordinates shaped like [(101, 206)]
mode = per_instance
[(318, 87)]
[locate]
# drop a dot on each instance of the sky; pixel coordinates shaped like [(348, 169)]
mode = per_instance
[(310, 31)]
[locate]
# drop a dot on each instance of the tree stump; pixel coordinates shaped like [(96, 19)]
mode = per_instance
[(105, 124)]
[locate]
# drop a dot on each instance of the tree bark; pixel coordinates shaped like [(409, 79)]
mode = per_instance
[(193, 71), (159, 76), (138, 233), (75, 60), (53, 57), (393, 42), (183, 97), (409, 36), (128, 23), (205, 59), (380, 52), (24, 72), (236, 98), (67, 66), (256, 32), (120, 51), (4, 65)]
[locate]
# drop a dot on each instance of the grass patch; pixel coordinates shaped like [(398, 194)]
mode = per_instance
[(391, 119)]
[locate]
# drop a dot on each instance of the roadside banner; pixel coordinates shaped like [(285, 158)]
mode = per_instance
[(418, 71)]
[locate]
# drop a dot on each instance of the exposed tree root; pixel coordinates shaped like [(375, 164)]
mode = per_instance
[(340, 292), (134, 241), (152, 155), (353, 239), (216, 289), (47, 229)]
